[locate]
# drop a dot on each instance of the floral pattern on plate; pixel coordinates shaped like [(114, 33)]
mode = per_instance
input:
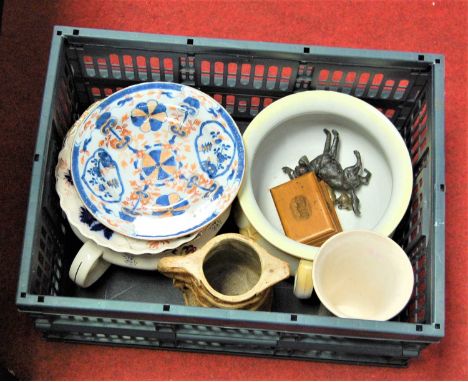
[(157, 161), (88, 227)]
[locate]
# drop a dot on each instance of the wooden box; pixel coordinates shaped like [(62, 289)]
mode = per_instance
[(306, 209)]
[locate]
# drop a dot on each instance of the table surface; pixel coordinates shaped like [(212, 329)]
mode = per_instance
[(417, 26)]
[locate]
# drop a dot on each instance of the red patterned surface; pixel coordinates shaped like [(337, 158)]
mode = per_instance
[(418, 26)]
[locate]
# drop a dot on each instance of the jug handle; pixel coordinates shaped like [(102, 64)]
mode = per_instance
[(88, 265), (303, 283), (182, 265)]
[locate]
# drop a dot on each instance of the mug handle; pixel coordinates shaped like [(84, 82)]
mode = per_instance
[(88, 265), (303, 283)]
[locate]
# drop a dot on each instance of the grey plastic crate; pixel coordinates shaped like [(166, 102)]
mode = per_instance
[(136, 308)]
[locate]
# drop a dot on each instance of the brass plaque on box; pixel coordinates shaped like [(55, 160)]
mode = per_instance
[(306, 209)]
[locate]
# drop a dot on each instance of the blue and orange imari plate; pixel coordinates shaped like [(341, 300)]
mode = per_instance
[(157, 161)]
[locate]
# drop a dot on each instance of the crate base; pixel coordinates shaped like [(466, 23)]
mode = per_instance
[(312, 355)]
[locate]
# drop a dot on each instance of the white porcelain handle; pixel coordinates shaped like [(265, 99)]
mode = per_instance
[(303, 283), (88, 265)]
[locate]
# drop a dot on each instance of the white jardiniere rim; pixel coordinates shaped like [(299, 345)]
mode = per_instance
[(326, 102)]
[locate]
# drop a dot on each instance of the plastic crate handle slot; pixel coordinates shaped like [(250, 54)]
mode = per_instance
[(88, 265)]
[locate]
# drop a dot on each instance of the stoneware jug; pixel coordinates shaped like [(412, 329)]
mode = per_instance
[(230, 271)]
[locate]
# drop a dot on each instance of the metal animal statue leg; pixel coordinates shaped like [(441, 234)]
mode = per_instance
[(355, 202), (326, 148), (353, 171), (334, 146), (344, 201), (366, 177), (289, 172), (304, 161), (321, 160), (358, 165)]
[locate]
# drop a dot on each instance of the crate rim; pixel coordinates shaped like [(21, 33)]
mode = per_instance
[(314, 50), (432, 332), (276, 321)]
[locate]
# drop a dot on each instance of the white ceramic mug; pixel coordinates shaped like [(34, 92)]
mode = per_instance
[(362, 275)]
